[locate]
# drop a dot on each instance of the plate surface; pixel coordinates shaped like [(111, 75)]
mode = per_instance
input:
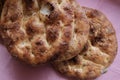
[(10, 69)]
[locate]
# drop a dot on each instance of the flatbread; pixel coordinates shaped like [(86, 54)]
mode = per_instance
[(98, 53), (35, 30)]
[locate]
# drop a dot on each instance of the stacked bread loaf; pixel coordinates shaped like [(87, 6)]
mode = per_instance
[(78, 41)]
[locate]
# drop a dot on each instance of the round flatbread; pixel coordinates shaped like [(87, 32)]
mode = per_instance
[(35, 30), (80, 33), (98, 53)]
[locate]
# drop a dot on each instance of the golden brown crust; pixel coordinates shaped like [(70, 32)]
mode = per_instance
[(37, 31), (80, 33), (98, 53)]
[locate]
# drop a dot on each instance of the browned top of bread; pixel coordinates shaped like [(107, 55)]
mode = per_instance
[(36, 30), (80, 33), (98, 53)]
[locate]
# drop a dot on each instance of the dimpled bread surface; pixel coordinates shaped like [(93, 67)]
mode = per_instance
[(98, 53), (80, 33), (35, 30), (38, 31)]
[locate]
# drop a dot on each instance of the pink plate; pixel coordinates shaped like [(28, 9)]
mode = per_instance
[(10, 69)]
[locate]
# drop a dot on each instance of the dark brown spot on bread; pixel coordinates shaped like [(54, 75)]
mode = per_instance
[(30, 6), (39, 47), (52, 33)]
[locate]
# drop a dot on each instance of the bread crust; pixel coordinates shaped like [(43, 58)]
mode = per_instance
[(98, 53), (80, 33), (35, 30), (38, 31)]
